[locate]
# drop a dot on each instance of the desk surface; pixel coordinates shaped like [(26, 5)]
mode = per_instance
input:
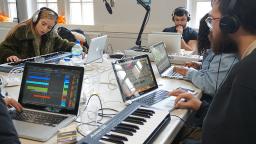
[(99, 78)]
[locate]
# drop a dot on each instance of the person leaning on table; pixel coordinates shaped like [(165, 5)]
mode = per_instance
[(33, 37)]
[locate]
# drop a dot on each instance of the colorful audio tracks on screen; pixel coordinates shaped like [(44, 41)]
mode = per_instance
[(52, 87)]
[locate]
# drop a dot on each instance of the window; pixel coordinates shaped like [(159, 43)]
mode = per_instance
[(12, 9), (52, 4), (81, 12), (198, 8)]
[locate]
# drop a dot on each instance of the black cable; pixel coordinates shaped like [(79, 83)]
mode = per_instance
[(216, 86)]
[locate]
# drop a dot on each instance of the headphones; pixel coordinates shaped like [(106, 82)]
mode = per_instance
[(230, 23), (37, 14), (182, 11)]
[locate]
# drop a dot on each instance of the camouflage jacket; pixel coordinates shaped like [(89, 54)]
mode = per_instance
[(23, 44)]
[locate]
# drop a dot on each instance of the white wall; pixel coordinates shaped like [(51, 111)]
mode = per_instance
[(124, 24), (128, 15)]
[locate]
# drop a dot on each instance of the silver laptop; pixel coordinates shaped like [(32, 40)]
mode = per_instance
[(171, 40), (162, 61), (50, 96), (96, 49), (137, 83)]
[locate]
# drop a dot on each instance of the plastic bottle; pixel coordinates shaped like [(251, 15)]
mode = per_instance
[(77, 52)]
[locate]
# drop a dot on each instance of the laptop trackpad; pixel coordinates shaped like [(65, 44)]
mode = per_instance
[(166, 104), (34, 131)]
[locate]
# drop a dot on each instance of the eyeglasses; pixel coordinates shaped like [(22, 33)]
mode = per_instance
[(209, 20)]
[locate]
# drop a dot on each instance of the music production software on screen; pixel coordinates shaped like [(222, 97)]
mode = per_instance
[(49, 87), (135, 77)]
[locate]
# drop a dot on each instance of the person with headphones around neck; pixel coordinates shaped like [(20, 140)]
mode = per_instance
[(33, 37), (181, 17), (231, 116)]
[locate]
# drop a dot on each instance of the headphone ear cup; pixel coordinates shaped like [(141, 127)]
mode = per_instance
[(229, 24), (188, 17), (35, 16)]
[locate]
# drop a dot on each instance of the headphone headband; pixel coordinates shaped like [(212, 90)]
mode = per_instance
[(230, 23), (181, 10), (37, 14)]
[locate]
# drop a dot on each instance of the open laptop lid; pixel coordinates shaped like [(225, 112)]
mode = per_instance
[(134, 76), (172, 40), (53, 88), (96, 48), (160, 55)]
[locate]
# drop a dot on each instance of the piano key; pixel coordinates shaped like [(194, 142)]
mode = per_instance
[(137, 118), (104, 138), (146, 111), (122, 131), (127, 128), (129, 125), (122, 138), (141, 114), (134, 121)]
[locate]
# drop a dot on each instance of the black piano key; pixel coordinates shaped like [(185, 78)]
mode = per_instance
[(111, 140), (134, 121), (127, 128), (129, 125), (122, 131), (114, 136), (137, 118), (141, 114), (146, 111)]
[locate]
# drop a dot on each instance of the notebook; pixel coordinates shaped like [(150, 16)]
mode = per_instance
[(137, 83), (162, 62), (50, 96), (171, 40), (96, 49)]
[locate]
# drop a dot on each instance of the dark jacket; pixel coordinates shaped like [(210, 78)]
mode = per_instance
[(8, 134), (231, 117), (22, 43)]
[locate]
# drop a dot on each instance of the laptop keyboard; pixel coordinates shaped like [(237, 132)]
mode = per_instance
[(38, 117), (154, 97)]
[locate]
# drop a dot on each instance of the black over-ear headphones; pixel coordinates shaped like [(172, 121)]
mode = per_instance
[(37, 14), (180, 11), (229, 23)]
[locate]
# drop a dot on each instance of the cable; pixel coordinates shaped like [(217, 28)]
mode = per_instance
[(216, 86)]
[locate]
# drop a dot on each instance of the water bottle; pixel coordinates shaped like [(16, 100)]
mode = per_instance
[(77, 52)]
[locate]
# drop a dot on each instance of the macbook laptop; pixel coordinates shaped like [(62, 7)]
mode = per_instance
[(162, 61), (96, 49), (50, 96), (137, 83), (171, 40)]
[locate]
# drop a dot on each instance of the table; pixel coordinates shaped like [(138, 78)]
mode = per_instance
[(104, 83)]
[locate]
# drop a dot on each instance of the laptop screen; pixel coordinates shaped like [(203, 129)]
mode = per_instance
[(172, 40), (96, 49), (134, 76), (49, 87), (161, 58)]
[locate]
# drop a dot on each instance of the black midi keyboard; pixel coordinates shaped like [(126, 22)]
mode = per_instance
[(133, 125), (47, 58)]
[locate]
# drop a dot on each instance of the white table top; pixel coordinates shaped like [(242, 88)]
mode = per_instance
[(100, 75)]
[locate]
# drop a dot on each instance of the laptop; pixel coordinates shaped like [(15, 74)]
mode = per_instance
[(171, 40), (162, 61), (96, 49), (50, 96), (137, 83)]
